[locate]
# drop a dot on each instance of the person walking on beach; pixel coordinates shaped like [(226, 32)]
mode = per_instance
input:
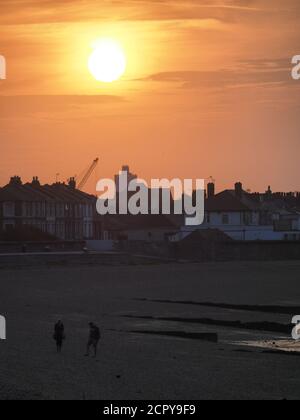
[(94, 337), (59, 335)]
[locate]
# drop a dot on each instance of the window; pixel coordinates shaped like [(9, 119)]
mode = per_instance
[(225, 219), (248, 218), (9, 209)]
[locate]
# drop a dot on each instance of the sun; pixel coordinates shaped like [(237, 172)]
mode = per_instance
[(107, 63)]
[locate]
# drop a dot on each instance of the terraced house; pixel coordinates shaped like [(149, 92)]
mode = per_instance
[(59, 210)]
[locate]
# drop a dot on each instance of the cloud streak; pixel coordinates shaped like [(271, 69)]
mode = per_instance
[(247, 73), (47, 11)]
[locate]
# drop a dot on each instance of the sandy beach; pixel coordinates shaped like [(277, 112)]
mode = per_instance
[(173, 331)]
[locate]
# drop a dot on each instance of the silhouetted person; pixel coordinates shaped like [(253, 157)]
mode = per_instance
[(59, 335), (94, 338)]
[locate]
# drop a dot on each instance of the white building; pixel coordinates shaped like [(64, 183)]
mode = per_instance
[(242, 216)]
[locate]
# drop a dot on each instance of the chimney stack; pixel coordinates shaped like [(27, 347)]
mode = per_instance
[(210, 190), (15, 180), (269, 191), (35, 182), (72, 183), (238, 189)]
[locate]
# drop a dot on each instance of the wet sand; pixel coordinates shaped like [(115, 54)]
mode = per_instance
[(158, 324)]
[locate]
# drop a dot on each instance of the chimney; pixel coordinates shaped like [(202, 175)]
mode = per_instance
[(35, 182), (15, 180), (210, 190), (269, 191), (238, 189), (72, 183)]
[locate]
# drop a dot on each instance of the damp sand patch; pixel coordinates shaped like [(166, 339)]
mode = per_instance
[(281, 346)]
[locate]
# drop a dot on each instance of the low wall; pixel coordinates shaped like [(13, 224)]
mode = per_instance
[(131, 253), (103, 246), (260, 251), (13, 261), (56, 246), (155, 249), (237, 251)]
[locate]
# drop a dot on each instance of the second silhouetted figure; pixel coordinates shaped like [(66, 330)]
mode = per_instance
[(94, 338)]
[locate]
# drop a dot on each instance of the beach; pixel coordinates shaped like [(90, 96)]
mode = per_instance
[(169, 331)]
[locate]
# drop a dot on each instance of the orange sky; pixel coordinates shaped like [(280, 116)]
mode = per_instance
[(208, 90)]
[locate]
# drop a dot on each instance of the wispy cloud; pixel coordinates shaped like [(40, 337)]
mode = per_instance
[(246, 73), (46, 11)]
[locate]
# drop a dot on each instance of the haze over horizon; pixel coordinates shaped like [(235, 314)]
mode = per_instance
[(207, 91)]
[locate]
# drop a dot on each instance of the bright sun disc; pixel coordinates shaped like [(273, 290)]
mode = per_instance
[(107, 62)]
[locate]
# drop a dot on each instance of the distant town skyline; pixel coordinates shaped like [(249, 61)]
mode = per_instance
[(208, 183), (207, 91)]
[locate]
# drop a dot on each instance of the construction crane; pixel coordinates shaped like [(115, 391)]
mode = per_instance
[(87, 174)]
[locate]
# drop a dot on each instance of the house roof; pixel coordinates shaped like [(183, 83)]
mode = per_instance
[(33, 192), (13, 192), (68, 194), (229, 201), (279, 206), (213, 235)]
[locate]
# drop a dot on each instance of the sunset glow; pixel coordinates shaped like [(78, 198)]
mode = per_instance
[(174, 89)]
